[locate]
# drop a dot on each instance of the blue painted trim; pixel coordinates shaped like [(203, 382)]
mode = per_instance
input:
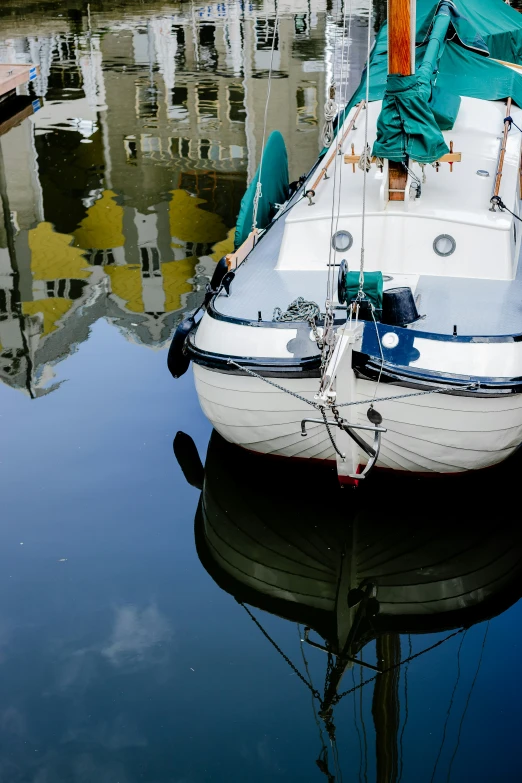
[(369, 367)]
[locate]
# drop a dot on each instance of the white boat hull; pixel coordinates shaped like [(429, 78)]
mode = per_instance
[(436, 433)]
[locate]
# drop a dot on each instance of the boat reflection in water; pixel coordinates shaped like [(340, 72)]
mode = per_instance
[(353, 566)]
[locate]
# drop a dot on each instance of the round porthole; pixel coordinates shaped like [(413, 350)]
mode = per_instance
[(444, 245), (342, 241)]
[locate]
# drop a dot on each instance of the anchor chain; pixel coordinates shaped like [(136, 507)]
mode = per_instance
[(315, 693)]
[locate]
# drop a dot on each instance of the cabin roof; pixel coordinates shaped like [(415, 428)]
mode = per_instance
[(460, 195)]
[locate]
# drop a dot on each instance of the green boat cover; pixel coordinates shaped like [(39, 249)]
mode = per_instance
[(372, 287), (274, 189), (445, 107), (406, 124), (463, 65)]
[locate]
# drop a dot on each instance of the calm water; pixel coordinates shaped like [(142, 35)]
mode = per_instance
[(125, 653)]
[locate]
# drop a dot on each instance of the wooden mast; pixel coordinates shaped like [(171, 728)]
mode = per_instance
[(386, 709), (401, 60)]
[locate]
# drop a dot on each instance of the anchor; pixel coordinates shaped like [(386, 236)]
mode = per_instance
[(371, 451)]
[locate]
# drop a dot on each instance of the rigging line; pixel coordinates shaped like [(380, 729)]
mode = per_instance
[(500, 204), (338, 134), (396, 665), (294, 668), (376, 387), (357, 729), (450, 707), (343, 104), (401, 745), (258, 194), (446, 389), (365, 173), (337, 149), (309, 677), (361, 712), (468, 701)]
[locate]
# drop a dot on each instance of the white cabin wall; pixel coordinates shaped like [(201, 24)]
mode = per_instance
[(402, 244)]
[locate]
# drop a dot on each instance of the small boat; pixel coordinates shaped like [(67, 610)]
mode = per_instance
[(371, 314), (355, 573)]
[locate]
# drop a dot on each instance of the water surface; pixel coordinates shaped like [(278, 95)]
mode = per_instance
[(125, 652)]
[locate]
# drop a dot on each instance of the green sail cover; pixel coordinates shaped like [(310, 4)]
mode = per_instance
[(274, 189), (478, 27), (406, 124)]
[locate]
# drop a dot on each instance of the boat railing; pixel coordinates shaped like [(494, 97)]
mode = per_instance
[(323, 174), (502, 155)]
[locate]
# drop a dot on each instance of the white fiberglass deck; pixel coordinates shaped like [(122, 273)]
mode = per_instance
[(478, 288)]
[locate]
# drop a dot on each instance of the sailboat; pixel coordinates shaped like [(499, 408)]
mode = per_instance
[(371, 314), (351, 575)]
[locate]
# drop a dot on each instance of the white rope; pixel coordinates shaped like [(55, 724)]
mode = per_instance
[(365, 161), (365, 172), (259, 194), (330, 113), (337, 180)]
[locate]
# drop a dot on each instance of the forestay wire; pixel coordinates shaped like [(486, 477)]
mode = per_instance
[(365, 168), (259, 193), (338, 170)]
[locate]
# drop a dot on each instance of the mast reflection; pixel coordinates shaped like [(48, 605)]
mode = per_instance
[(354, 567)]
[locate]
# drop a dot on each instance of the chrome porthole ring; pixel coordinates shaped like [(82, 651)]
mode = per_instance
[(444, 245), (342, 241)]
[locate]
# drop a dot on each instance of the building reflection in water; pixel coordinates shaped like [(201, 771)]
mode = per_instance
[(121, 191)]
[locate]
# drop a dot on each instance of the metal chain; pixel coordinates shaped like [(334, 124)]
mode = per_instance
[(340, 696), (467, 387), (272, 383), (332, 439), (315, 693), (300, 309)]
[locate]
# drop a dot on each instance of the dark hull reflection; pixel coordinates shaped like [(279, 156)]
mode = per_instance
[(288, 541)]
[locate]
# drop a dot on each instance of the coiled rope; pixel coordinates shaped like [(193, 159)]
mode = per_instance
[(330, 113)]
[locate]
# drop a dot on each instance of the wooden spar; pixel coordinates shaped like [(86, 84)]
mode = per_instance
[(336, 150), (401, 60), (386, 708), (502, 151), (400, 52)]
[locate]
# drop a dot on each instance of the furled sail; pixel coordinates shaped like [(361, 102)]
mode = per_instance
[(463, 68), (273, 171), (406, 124)]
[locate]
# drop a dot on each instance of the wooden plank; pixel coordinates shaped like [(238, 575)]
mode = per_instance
[(12, 76), (449, 157), (399, 37), (13, 112), (397, 178), (235, 259)]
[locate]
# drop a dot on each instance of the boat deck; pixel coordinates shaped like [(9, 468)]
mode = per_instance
[(477, 307), (473, 289)]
